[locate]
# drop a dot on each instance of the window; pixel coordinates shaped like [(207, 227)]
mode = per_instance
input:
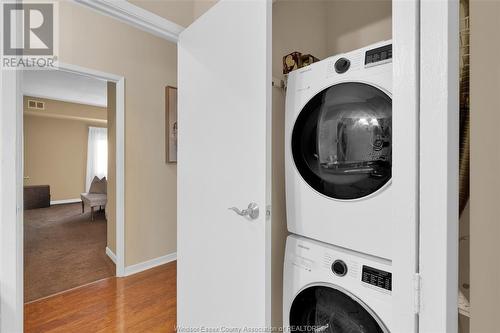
[(97, 154)]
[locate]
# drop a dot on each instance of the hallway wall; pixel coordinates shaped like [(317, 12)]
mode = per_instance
[(178, 11), (182, 12), (148, 64)]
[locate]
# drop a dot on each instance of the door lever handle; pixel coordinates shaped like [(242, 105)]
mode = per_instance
[(252, 211)]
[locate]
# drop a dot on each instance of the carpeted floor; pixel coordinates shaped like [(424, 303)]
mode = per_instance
[(63, 249)]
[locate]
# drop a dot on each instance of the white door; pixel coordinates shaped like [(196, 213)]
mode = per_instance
[(224, 90)]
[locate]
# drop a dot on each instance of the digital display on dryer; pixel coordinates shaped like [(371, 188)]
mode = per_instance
[(379, 54), (377, 277)]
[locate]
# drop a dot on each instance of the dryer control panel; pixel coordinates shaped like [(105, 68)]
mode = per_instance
[(380, 55), (377, 277)]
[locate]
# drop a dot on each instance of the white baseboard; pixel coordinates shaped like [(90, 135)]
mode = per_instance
[(65, 201), (142, 266), (111, 254)]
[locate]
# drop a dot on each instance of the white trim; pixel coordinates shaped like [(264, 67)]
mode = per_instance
[(145, 265), (269, 170), (406, 64), (92, 73), (11, 204), (439, 160), (120, 177), (136, 16), (65, 201), (111, 254)]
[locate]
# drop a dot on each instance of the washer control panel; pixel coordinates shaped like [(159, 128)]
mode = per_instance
[(377, 277)]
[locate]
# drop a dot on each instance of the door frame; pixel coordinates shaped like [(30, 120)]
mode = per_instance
[(426, 150), (439, 165), (405, 96), (11, 214), (11, 206)]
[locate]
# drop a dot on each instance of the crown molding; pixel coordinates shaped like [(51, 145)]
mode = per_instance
[(136, 16)]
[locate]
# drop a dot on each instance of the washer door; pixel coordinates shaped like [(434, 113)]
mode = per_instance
[(325, 309), (342, 141)]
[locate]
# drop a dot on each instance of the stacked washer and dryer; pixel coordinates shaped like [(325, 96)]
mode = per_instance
[(338, 160)]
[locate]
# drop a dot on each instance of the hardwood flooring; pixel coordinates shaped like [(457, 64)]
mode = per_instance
[(63, 249), (144, 302)]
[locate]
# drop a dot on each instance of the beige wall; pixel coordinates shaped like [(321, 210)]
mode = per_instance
[(148, 64), (485, 162), (182, 12), (356, 23), (55, 146), (178, 11), (111, 205), (66, 110), (201, 6)]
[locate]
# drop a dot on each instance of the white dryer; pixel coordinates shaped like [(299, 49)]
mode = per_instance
[(330, 289), (338, 150)]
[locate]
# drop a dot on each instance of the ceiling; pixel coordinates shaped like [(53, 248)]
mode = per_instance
[(65, 86)]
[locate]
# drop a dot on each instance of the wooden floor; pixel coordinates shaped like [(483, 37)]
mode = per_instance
[(144, 302), (63, 249)]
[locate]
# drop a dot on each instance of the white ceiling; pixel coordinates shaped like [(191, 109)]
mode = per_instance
[(64, 86)]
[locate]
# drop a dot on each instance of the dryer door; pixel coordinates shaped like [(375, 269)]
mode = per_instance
[(342, 141), (329, 310)]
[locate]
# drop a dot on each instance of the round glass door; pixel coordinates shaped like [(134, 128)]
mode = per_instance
[(328, 310), (342, 141)]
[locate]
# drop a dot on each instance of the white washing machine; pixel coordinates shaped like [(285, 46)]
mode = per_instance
[(338, 150), (330, 289)]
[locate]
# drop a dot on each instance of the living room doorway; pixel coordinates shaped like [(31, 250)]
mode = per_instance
[(73, 179)]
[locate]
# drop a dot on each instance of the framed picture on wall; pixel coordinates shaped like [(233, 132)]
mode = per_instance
[(171, 124)]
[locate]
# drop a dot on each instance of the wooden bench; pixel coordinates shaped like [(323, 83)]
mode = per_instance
[(93, 200)]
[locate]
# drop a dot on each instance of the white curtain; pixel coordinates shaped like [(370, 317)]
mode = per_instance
[(97, 154)]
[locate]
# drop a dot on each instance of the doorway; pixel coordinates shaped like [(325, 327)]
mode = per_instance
[(12, 301), (67, 122)]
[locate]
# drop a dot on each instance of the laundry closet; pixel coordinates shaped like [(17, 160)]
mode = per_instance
[(321, 29), (371, 201)]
